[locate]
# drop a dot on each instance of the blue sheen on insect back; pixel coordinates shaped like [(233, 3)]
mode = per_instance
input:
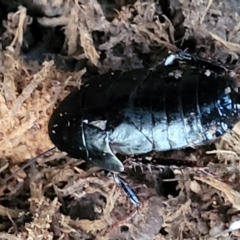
[(227, 97), (216, 97)]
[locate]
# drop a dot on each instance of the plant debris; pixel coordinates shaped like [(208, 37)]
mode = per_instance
[(49, 47)]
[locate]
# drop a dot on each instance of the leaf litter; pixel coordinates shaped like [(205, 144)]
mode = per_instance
[(59, 197)]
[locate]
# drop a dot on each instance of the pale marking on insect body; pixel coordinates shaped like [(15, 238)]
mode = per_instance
[(208, 73), (83, 139), (169, 60)]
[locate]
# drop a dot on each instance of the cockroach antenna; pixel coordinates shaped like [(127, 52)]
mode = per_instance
[(28, 164)]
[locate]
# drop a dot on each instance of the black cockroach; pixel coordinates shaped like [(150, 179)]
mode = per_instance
[(144, 110)]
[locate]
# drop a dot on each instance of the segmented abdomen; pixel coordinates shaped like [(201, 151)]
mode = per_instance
[(169, 110), (143, 110)]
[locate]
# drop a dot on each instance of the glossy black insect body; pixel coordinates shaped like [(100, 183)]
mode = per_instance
[(141, 111)]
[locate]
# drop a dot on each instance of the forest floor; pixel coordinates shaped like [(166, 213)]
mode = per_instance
[(47, 48)]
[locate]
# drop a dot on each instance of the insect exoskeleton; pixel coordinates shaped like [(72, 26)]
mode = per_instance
[(143, 110)]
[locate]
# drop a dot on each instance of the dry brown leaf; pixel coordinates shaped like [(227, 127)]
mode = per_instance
[(4, 211), (106, 220), (7, 236), (18, 36), (195, 186), (71, 31), (233, 47), (88, 46), (232, 195)]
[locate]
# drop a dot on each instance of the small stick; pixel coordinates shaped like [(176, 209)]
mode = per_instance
[(28, 164)]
